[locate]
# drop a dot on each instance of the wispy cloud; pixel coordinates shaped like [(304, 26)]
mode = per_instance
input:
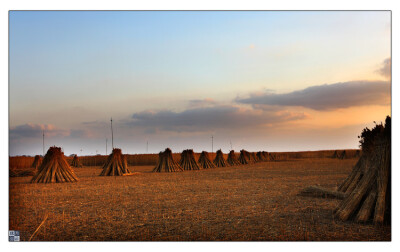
[(80, 133), (95, 123), (327, 97), (201, 102), (35, 130), (31, 130), (210, 118), (386, 69)]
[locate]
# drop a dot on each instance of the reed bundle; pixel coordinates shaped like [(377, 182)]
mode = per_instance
[(232, 159), (116, 164), (204, 161), (166, 163), (76, 162), (54, 168), (188, 162), (219, 160)]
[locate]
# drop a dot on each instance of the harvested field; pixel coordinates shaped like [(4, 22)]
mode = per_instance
[(249, 202)]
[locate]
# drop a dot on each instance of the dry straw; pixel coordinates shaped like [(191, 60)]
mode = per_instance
[(204, 161), (188, 162), (76, 162), (272, 157), (232, 159), (166, 163), (366, 192), (368, 187), (37, 162), (263, 156), (253, 157), (54, 168), (219, 160), (116, 164), (343, 155), (37, 229), (244, 157)]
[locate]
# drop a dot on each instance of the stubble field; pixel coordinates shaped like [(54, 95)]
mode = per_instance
[(244, 203)]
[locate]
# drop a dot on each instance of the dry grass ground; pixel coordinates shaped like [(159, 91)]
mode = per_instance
[(252, 202)]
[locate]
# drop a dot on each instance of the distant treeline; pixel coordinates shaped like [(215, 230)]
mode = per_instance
[(151, 159)]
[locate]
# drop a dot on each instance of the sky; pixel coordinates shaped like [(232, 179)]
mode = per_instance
[(254, 80)]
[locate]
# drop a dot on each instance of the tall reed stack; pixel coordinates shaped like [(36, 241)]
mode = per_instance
[(244, 157), (37, 162), (219, 160), (366, 192), (116, 164), (368, 187), (188, 162), (54, 168), (76, 162), (232, 159), (204, 161), (166, 163)]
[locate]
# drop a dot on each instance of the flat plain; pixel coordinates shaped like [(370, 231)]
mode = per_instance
[(239, 203)]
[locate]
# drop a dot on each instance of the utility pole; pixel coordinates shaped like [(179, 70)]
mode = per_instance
[(43, 143), (212, 144), (112, 136)]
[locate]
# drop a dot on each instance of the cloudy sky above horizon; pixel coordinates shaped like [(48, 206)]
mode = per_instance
[(263, 80)]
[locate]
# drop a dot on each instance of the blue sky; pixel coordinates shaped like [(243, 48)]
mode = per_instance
[(70, 71)]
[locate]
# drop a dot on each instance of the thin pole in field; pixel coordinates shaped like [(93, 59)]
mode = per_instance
[(212, 144), (43, 143), (112, 136)]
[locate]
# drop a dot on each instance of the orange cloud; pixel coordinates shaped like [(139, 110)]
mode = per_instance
[(327, 97), (210, 118)]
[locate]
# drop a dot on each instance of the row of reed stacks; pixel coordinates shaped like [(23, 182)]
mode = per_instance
[(55, 168), (166, 163)]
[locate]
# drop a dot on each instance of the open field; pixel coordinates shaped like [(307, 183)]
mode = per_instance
[(252, 202)]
